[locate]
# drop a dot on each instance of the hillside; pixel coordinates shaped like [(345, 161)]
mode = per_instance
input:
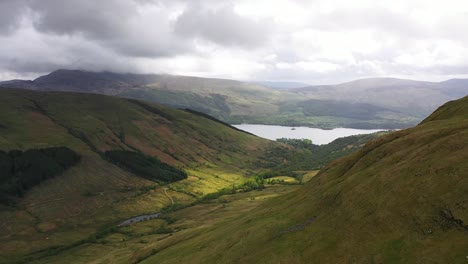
[(111, 135), (218, 97), (401, 199), (417, 97), (368, 103)]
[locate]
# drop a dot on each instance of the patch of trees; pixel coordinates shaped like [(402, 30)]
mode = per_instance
[(254, 183), (146, 166), (308, 156), (22, 170)]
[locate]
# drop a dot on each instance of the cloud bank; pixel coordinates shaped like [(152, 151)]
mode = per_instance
[(309, 41)]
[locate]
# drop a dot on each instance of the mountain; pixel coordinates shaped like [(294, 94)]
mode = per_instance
[(368, 103), (455, 87), (401, 199), (120, 144), (217, 97), (417, 97)]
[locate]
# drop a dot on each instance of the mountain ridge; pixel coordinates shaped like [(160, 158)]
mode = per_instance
[(399, 103)]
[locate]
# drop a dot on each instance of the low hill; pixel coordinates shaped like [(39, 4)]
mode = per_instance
[(401, 199), (128, 151)]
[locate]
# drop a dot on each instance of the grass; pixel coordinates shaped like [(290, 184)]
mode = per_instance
[(142, 240)]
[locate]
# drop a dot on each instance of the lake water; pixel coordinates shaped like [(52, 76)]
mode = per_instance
[(317, 135)]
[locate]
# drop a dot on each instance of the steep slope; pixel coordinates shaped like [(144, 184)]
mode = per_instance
[(95, 192), (401, 199)]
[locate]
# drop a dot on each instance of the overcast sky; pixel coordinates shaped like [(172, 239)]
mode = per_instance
[(313, 41)]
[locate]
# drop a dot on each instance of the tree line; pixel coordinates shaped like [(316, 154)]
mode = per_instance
[(145, 166)]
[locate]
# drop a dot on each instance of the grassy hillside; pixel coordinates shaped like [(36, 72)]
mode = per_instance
[(98, 191), (401, 199), (368, 103)]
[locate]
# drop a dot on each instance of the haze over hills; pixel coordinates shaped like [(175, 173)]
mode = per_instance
[(281, 85), (405, 95), (367, 103)]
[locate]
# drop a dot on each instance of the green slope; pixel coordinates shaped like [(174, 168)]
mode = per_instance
[(95, 192), (401, 199)]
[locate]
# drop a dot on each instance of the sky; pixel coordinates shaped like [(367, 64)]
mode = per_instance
[(311, 41)]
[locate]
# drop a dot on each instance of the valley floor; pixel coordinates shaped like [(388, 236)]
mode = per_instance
[(139, 241)]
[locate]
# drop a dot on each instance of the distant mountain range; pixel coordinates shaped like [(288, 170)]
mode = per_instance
[(366, 103), (410, 96)]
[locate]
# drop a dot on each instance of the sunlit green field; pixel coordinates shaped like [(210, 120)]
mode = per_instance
[(139, 241)]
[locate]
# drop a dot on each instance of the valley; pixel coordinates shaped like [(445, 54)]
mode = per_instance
[(239, 192), (96, 192), (233, 132)]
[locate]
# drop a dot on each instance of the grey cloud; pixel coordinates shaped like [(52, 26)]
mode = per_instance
[(31, 53), (10, 15), (222, 26), (38, 36), (115, 24), (97, 19)]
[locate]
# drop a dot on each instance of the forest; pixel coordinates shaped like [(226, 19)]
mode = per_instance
[(145, 166), (22, 170)]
